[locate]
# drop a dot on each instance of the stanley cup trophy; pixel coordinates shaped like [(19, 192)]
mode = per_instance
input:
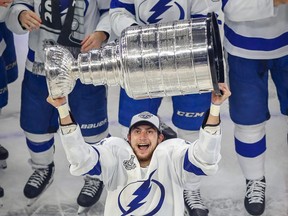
[(167, 59)]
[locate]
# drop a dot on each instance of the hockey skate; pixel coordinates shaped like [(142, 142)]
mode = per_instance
[(89, 194), (3, 156), (194, 204), (255, 196), (1, 196), (38, 182)]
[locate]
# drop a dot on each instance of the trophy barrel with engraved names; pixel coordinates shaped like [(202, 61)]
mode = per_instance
[(165, 59)]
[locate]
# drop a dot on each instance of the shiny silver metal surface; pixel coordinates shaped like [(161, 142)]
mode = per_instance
[(166, 59)]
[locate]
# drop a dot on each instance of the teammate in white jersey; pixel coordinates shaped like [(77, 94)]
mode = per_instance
[(78, 25), (188, 110), (144, 176), (8, 62), (8, 71), (256, 42)]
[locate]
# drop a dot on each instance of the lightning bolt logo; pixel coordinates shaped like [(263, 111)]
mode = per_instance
[(140, 194), (159, 9)]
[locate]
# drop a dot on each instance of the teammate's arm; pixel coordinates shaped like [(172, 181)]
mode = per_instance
[(122, 15), (279, 2), (246, 10), (21, 17), (4, 7), (201, 8), (103, 29), (5, 3)]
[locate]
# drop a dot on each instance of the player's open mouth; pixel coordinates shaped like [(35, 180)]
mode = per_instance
[(143, 146)]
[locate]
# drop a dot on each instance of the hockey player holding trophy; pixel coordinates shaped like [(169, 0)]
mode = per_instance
[(187, 110), (123, 63), (144, 176)]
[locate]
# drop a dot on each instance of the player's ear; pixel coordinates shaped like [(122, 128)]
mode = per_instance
[(129, 137), (160, 137)]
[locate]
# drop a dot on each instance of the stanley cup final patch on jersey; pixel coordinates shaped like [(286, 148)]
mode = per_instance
[(129, 164)]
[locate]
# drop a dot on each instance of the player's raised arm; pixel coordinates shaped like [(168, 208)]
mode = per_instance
[(80, 155), (205, 152)]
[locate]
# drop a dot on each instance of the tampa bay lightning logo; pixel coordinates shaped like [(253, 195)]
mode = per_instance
[(145, 115), (142, 197), (167, 10)]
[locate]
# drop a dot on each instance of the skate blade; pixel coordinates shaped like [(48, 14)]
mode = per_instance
[(3, 164), (83, 211), (30, 210), (186, 213), (30, 202)]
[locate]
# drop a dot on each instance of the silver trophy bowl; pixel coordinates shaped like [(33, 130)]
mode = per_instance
[(165, 59)]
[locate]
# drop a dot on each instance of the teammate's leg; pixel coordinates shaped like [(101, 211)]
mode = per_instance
[(279, 74), (3, 85), (39, 121), (248, 106), (3, 75), (9, 54), (41, 149)]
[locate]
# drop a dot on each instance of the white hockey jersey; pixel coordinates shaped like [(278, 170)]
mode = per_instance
[(95, 17), (255, 29), (125, 13), (3, 12), (132, 190)]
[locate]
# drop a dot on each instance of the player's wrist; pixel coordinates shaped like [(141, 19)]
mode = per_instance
[(63, 110), (214, 109)]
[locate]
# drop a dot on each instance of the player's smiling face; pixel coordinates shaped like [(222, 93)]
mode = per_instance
[(143, 140)]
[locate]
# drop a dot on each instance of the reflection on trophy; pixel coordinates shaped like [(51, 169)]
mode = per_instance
[(175, 58)]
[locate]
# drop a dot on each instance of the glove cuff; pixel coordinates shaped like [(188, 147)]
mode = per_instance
[(63, 110), (214, 109)]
